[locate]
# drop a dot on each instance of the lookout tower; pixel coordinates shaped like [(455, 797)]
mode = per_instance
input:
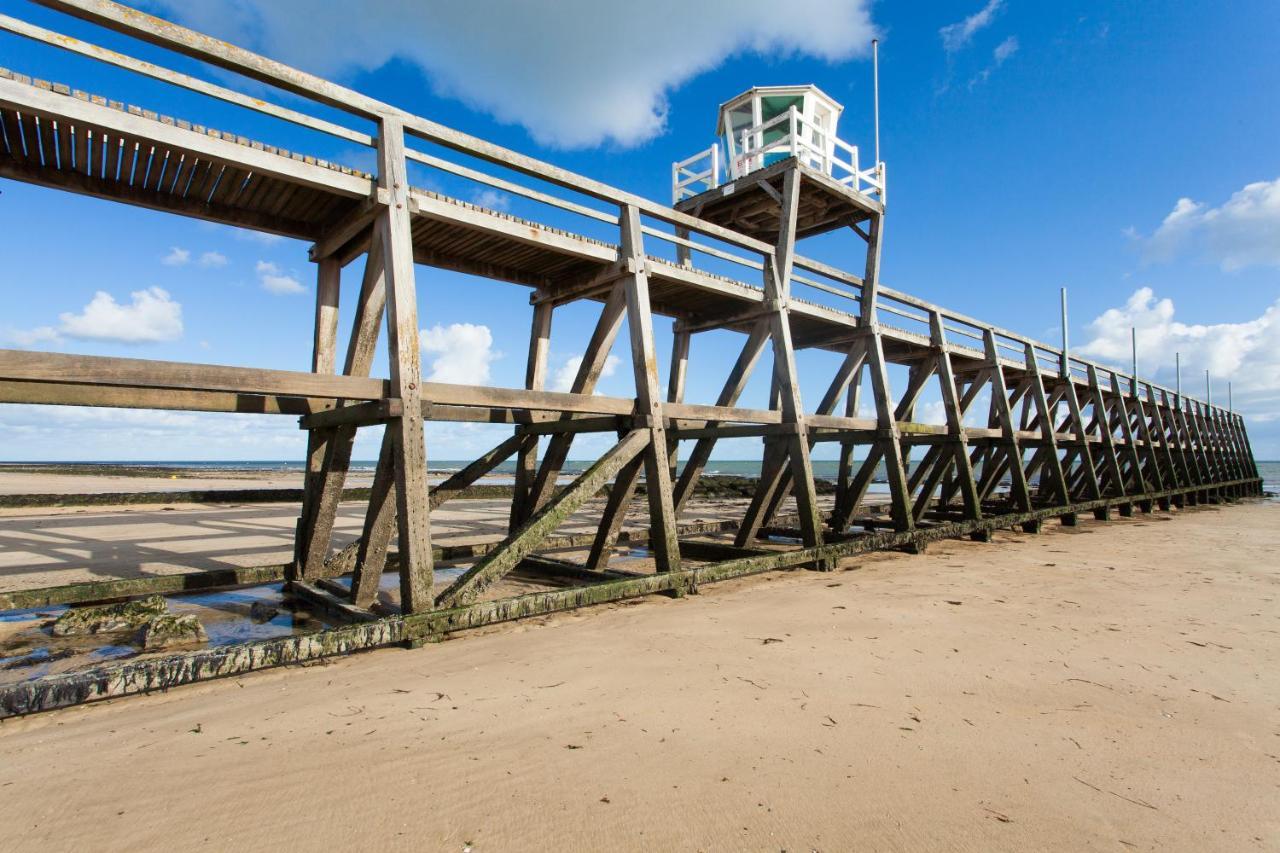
[(761, 134)]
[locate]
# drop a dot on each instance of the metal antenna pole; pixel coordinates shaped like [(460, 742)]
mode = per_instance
[(875, 92), (1133, 376), (1208, 389), (1177, 361), (1230, 406), (1066, 363)]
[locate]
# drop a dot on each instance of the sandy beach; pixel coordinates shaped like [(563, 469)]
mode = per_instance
[(1037, 693)]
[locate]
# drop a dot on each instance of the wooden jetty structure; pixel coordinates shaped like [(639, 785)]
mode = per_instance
[(1057, 436)]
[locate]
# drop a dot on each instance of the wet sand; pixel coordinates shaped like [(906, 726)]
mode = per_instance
[(42, 547), (1109, 688)]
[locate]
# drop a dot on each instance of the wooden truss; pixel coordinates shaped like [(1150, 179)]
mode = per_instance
[(1028, 432)]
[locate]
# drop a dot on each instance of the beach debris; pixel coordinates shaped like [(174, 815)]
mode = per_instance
[(1094, 683), (1142, 803), (106, 618), (263, 611), (161, 632)]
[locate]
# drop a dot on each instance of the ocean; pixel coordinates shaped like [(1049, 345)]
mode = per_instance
[(826, 469)]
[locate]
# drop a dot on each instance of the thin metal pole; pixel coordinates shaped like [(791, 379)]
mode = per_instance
[(1064, 325), (1208, 389), (1177, 361), (1133, 376), (1230, 406), (875, 92)]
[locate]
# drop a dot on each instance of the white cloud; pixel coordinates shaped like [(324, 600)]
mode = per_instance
[(463, 353), (1005, 49), (492, 199), (274, 279), (1242, 232), (213, 259), (176, 257), (576, 74), (933, 412), (150, 317), (34, 337), (563, 379), (958, 35), (69, 432), (1247, 353), (259, 237)]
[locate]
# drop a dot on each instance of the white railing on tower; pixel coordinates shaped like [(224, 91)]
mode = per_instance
[(695, 175), (811, 144)]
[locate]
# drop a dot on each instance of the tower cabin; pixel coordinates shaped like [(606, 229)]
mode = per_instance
[(761, 134)]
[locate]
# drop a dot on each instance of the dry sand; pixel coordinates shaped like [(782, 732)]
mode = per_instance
[(1111, 688)]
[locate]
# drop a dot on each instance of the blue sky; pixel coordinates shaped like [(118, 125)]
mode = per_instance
[(1105, 147)]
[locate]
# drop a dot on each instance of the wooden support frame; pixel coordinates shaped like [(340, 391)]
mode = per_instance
[(1131, 453)]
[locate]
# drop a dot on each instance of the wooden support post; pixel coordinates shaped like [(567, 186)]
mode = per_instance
[(845, 482), (1088, 471), (1048, 452), (1019, 490), (1106, 430), (676, 375), (413, 514), (1160, 431), (324, 359), (1148, 434), (955, 425), (315, 532), (379, 526), (657, 469), (777, 296), (534, 380), (1137, 484)]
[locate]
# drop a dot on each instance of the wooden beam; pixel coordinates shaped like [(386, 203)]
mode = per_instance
[(649, 402), (139, 373), (413, 513)]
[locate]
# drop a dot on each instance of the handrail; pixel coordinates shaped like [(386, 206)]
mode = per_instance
[(136, 24)]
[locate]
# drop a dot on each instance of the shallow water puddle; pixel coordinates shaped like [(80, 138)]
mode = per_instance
[(28, 649)]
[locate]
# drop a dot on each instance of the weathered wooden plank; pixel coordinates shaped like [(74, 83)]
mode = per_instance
[(405, 355), (324, 359), (955, 420), (140, 373), (649, 402), (315, 528), (80, 394), (31, 100), (1106, 427), (379, 525)]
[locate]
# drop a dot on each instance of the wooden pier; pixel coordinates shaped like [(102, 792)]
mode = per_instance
[(1060, 437)]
